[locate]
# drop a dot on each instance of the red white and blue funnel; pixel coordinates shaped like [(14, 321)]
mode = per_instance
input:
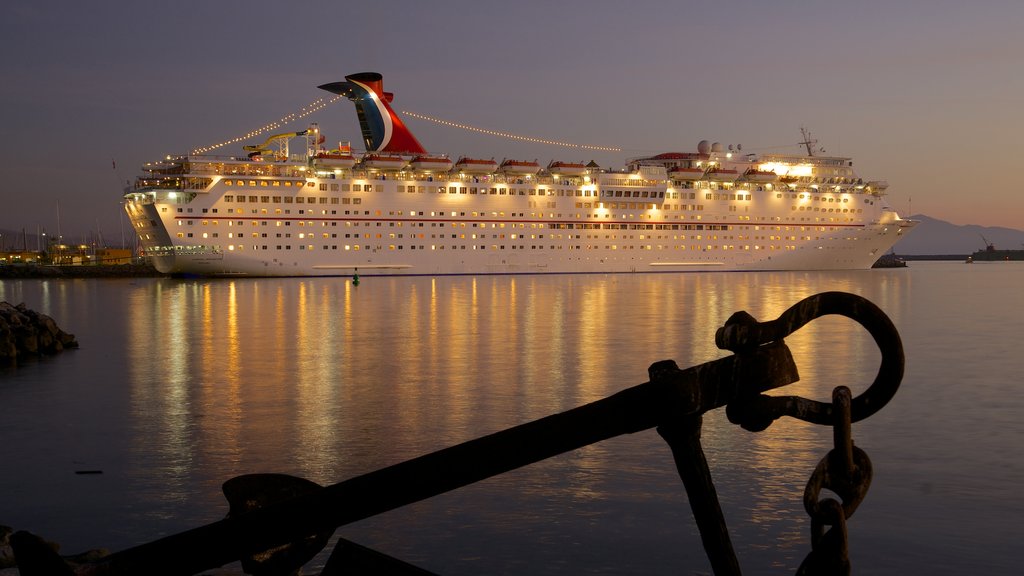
[(383, 130)]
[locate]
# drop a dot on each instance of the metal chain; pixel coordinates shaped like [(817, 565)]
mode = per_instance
[(846, 471)]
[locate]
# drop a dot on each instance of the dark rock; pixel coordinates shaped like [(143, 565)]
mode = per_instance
[(25, 332), (34, 555), (37, 557), (6, 553)]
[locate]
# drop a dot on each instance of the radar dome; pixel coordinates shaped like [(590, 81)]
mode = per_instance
[(704, 147), (716, 147)]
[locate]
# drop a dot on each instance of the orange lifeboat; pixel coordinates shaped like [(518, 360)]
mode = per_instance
[(431, 163), (755, 175), (519, 167), (383, 161), (334, 160), (722, 175), (567, 168), (476, 165), (680, 173)]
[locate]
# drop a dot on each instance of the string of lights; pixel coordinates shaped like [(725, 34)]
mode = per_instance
[(319, 104), (507, 135)]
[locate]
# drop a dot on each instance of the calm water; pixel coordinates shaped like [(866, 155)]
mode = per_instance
[(182, 384)]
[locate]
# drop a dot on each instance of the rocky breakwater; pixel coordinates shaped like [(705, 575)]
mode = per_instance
[(26, 333)]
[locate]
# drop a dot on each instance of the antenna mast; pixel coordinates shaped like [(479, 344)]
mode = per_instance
[(808, 142)]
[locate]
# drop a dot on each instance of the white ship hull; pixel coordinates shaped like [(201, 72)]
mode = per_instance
[(515, 230)]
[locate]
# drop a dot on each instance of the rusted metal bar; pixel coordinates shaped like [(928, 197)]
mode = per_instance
[(683, 437), (351, 559), (678, 395)]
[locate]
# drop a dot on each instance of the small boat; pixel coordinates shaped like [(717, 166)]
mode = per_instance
[(431, 163), (519, 167), (476, 165), (722, 175), (334, 160), (890, 260), (384, 161), (755, 175), (567, 168), (686, 173)]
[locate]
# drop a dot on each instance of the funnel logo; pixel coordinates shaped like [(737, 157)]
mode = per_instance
[(383, 130)]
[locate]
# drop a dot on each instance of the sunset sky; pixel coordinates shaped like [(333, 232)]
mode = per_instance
[(92, 90)]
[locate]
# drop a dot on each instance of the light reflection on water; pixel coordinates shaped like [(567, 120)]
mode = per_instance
[(182, 384)]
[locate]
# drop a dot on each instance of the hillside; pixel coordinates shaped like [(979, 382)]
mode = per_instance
[(933, 236)]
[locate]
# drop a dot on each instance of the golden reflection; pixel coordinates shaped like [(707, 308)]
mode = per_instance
[(324, 379), (161, 381)]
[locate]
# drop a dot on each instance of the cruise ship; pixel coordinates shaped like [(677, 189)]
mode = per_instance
[(396, 209)]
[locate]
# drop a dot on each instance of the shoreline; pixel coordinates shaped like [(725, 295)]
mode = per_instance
[(87, 271)]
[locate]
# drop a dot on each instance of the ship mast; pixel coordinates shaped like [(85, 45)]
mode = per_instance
[(808, 142)]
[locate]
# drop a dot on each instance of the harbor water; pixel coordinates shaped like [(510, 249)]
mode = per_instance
[(181, 384)]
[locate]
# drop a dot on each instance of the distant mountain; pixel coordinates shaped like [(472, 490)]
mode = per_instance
[(933, 236)]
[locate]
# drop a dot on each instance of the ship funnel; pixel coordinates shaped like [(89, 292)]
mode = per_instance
[(383, 130)]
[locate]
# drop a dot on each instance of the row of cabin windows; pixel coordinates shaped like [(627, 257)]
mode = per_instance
[(612, 247), (501, 225)]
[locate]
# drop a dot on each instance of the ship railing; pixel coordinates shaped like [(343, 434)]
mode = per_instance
[(277, 523)]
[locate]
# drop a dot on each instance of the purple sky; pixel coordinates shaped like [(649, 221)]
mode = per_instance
[(906, 88)]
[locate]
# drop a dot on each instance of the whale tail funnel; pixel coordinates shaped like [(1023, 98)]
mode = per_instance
[(383, 130)]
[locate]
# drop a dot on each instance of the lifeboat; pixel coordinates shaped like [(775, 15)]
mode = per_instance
[(334, 160), (722, 175), (686, 173), (383, 161), (877, 185), (476, 165), (755, 175), (432, 163), (567, 168), (519, 167)]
